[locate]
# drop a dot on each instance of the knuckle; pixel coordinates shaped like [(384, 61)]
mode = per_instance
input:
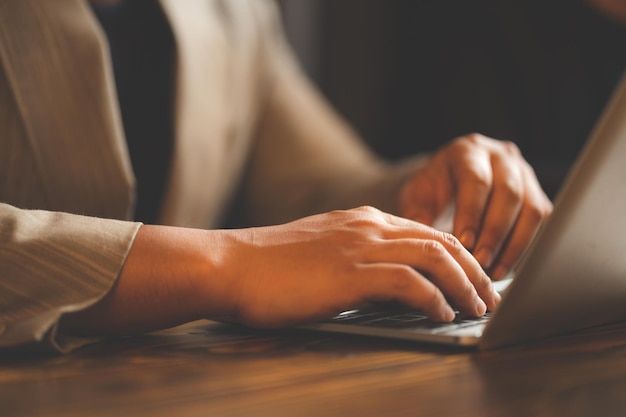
[(364, 223), (474, 138), (530, 170), (479, 179), (364, 217), (512, 190), (403, 278), (451, 243), (460, 145), (466, 292), (434, 250), (368, 210), (511, 147), (339, 215), (537, 214)]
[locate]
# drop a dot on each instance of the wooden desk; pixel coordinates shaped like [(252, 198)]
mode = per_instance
[(208, 369)]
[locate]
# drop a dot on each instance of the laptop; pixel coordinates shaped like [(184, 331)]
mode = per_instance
[(573, 276)]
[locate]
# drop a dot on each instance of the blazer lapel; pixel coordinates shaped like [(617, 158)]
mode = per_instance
[(55, 58), (197, 182), (217, 101)]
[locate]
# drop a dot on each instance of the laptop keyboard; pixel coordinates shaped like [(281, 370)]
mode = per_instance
[(414, 321), (407, 321)]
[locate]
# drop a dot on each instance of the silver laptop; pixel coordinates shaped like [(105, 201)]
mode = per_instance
[(572, 277)]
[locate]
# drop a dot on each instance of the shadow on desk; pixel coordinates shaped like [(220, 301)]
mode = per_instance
[(210, 369)]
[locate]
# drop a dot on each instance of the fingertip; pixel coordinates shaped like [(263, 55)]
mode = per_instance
[(446, 314), (481, 308)]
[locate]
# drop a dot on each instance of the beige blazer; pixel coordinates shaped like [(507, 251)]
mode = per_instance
[(252, 137)]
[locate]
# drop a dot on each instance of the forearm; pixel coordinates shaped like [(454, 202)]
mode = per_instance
[(380, 190), (308, 160), (307, 270), (164, 282)]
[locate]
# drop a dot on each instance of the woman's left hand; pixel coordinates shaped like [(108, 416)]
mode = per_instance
[(499, 204)]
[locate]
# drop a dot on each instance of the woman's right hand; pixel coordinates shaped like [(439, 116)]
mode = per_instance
[(307, 270), (316, 267)]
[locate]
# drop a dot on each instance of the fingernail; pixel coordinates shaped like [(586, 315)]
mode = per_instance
[(446, 313), (468, 239), (481, 307), (484, 257)]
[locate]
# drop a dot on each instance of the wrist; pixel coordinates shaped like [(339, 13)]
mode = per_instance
[(171, 276)]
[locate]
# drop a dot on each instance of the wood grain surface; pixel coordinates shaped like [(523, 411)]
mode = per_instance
[(211, 369)]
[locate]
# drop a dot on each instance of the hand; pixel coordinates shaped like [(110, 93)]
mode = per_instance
[(310, 269), (316, 267), (499, 204)]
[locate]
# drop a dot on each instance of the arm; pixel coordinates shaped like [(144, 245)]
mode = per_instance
[(499, 204), (160, 285), (53, 263), (308, 160), (306, 270)]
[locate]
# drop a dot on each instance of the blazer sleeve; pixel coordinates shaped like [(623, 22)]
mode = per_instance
[(53, 263)]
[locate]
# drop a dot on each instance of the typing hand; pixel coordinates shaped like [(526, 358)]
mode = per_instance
[(499, 202), (316, 267)]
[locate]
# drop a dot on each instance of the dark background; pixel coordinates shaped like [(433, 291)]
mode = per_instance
[(410, 75)]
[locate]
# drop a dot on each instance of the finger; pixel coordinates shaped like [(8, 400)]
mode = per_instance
[(473, 270), (405, 233), (389, 226), (433, 259), (473, 176), (390, 281), (534, 212), (502, 211)]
